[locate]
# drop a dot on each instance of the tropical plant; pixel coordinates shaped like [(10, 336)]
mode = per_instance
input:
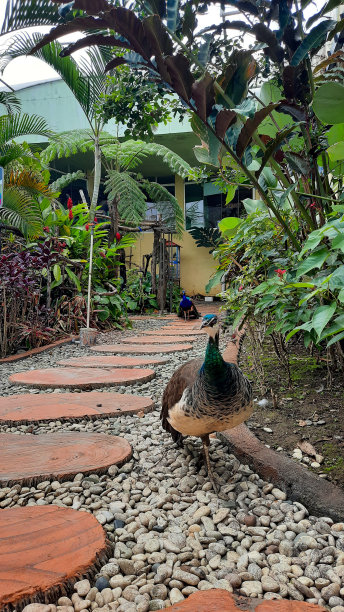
[(25, 182), (127, 190)]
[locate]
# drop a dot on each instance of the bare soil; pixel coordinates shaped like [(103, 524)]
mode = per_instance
[(307, 409)]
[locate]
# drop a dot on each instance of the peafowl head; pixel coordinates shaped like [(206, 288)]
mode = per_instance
[(211, 324)]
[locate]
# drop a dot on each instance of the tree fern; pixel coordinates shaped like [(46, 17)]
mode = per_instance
[(67, 144), (176, 164), (65, 180), (131, 201), (167, 205)]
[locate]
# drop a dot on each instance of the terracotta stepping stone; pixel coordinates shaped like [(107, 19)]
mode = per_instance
[(29, 407), (156, 340), (219, 600), (137, 348), (112, 361), (44, 550), (178, 332), (81, 378), (31, 459)]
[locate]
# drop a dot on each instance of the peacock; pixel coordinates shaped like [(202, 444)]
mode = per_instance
[(203, 397), (187, 307)]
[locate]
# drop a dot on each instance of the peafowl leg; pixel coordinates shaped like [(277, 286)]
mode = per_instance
[(206, 442)]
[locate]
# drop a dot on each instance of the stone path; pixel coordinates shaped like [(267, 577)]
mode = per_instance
[(112, 361), (171, 536), (139, 349), (157, 340), (29, 408)]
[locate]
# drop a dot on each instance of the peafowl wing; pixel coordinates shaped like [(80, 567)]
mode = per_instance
[(184, 377)]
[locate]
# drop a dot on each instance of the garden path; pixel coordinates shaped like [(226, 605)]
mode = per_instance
[(170, 535)]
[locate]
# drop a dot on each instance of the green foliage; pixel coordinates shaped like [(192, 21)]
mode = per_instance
[(137, 294), (138, 103)]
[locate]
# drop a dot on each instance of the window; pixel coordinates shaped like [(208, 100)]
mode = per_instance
[(168, 182), (205, 205), (194, 205)]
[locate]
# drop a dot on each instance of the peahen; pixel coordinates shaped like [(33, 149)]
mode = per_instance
[(206, 396), (187, 307)]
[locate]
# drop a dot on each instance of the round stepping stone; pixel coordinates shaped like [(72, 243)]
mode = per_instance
[(81, 378), (29, 407), (112, 361), (43, 550), (178, 332), (137, 348), (31, 459), (156, 340)]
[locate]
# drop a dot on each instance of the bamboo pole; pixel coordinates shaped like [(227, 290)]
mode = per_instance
[(89, 280)]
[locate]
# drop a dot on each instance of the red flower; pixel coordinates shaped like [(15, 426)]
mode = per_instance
[(102, 254), (46, 229), (280, 272), (312, 205), (70, 215), (95, 220), (87, 227), (118, 236), (69, 203)]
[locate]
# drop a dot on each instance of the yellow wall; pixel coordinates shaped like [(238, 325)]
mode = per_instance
[(197, 264)]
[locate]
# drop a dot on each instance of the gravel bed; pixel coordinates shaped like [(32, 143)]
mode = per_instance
[(171, 534)]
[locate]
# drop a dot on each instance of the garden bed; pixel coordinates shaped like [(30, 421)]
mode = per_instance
[(310, 410)]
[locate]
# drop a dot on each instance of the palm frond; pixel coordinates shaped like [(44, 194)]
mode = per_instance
[(21, 14), (23, 42), (66, 144), (126, 190), (65, 180), (167, 205), (10, 101), (30, 182), (13, 126), (21, 211), (14, 151)]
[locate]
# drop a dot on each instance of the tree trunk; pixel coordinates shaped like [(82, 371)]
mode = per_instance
[(163, 275), (114, 226), (96, 180), (155, 258)]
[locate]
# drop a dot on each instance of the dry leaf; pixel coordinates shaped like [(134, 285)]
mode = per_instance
[(302, 423), (140, 414), (307, 448)]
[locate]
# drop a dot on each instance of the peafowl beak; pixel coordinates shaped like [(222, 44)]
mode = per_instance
[(209, 321)]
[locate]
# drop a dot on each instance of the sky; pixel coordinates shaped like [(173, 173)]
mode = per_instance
[(26, 70)]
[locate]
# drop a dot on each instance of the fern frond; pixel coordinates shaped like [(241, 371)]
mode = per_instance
[(68, 143), (126, 190), (65, 180), (141, 150), (167, 205)]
